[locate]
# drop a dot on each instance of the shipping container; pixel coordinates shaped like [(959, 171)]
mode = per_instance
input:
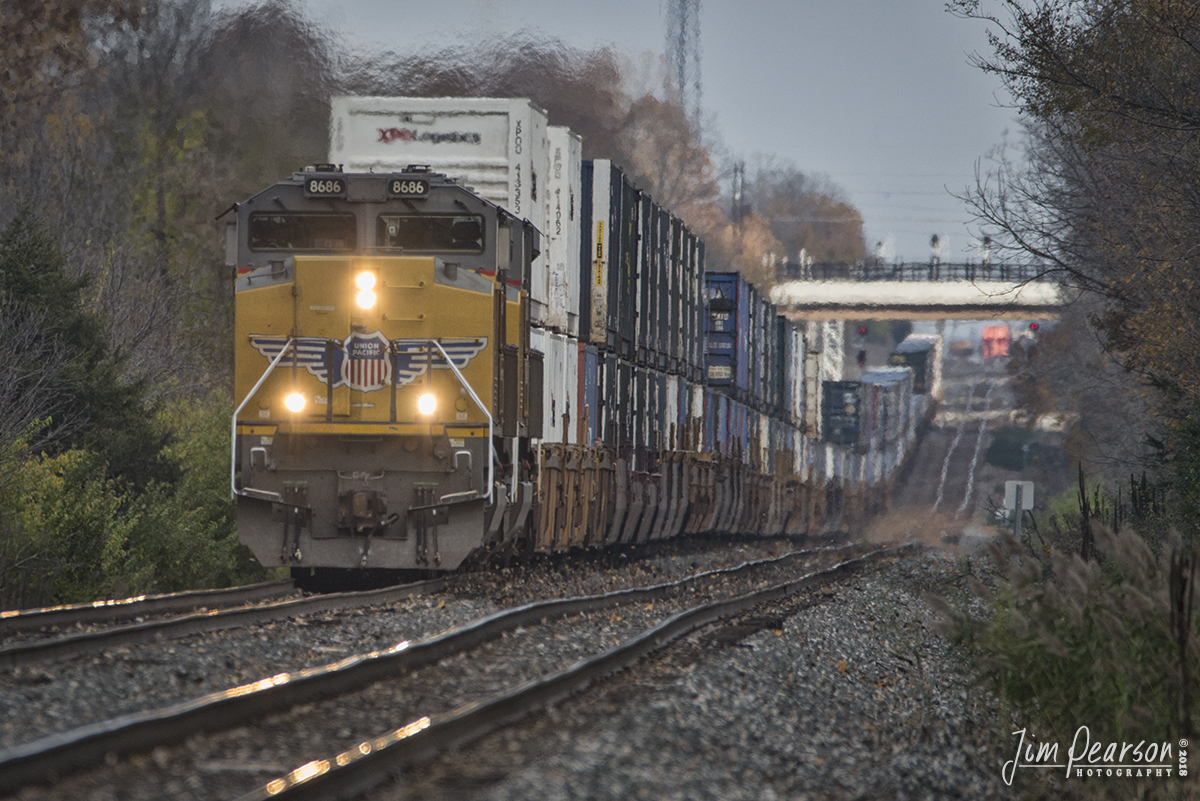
[(728, 327), (840, 425), (498, 147), (560, 385), (923, 353), (561, 242), (611, 238), (588, 411), (795, 377), (894, 385)]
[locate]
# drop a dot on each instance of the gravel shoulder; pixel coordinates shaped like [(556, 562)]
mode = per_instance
[(852, 696)]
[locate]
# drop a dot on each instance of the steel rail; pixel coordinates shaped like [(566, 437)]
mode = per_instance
[(59, 648), (353, 772), (56, 754), (18, 620)]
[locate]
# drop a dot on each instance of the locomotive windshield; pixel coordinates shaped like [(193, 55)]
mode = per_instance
[(302, 232), (459, 233)]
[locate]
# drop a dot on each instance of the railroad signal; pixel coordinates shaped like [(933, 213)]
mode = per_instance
[(862, 329), (1033, 326)]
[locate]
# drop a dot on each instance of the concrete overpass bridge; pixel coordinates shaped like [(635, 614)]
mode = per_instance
[(934, 291)]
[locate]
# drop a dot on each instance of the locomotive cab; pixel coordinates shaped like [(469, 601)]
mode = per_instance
[(382, 371)]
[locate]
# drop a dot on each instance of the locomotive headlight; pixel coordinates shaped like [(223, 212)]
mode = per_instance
[(366, 284), (294, 402), (426, 404)]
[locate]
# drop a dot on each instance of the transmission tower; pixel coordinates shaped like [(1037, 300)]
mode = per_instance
[(683, 52)]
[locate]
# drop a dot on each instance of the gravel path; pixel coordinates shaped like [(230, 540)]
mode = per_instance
[(851, 697)]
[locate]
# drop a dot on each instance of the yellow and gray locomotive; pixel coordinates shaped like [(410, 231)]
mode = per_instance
[(382, 370), (399, 342)]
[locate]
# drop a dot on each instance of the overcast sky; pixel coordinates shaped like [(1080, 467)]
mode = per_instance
[(876, 95)]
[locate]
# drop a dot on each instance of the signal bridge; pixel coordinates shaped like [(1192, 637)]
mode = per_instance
[(930, 291)]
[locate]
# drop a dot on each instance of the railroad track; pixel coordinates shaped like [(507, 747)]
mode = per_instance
[(425, 733), (951, 454), (73, 645), (17, 621)]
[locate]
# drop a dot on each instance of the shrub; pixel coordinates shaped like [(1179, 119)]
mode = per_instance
[(71, 533), (64, 530), (187, 531), (1112, 644)]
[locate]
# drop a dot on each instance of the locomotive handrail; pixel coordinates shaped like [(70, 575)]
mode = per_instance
[(491, 426), (233, 490)]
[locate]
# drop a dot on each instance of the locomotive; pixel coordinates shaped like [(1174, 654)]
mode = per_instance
[(403, 403)]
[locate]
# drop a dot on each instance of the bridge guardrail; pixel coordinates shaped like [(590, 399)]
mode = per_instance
[(916, 271)]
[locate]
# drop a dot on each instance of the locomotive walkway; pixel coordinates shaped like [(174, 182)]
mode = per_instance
[(919, 291)]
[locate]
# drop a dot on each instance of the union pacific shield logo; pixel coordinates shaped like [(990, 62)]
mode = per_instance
[(365, 362), (366, 366)]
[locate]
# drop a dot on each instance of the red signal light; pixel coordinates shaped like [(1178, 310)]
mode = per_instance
[(862, 329), (1033, 326)]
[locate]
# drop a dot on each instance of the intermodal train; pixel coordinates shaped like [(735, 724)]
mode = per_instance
[(424, 377)]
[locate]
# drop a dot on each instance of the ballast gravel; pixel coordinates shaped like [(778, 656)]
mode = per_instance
[(229, 763), (44, 699), (851, 697)]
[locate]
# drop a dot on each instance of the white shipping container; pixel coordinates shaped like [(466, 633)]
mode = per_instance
[(499, 147), (562, 240), (560, 387), (795, 376), (537, 342), (833, 350), (596, 329)]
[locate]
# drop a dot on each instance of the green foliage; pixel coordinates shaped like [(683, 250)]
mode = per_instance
[(117, 425), (70, 533), (33, 272), (65, 532), (187, 532), (1065, 643)]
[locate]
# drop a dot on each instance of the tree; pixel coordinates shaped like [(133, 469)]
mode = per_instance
[(806, 213), (78, 389), (1110, 199), (1111, 196), (45, 47)]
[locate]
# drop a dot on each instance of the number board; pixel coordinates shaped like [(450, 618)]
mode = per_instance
[(325, 187), (407, 187)]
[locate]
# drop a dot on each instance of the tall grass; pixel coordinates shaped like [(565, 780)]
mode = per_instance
[(1110, 643)]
